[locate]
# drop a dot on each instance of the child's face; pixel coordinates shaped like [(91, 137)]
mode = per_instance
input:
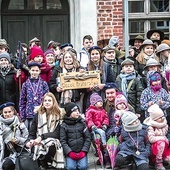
[(121, 106), (48, 102), (127, 69), (50, 58), (135, 122), (34, 72), (110, 94), (75, 114), (68, 59), (137, 43), (4, 62), (154, 68), (88, 44), (165, 53), (95, 56), (99, 104), (155, 35), (148, 50), (7, 112), (2, 49), (161, 119), (156, 83), (38, 59)]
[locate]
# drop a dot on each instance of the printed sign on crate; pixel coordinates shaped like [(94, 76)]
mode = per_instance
[(77, 80)]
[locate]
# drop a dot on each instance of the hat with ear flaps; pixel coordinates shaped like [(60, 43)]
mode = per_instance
[(127, 119)]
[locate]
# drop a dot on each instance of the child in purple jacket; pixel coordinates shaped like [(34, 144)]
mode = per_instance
[(32, 93)]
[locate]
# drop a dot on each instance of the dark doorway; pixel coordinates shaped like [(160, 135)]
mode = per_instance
[(23, 20)]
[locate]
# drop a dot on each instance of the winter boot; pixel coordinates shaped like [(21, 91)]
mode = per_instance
[(159, 166)]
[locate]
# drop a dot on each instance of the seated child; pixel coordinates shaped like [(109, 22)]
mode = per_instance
[(96, 117), (114, 125), (75, 138), (157, 132), (133, 143)]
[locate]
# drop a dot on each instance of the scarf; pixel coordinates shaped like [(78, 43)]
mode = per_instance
[(66, 95), (4, 70), (110, 61), (156, 88), (6, 133), (125, 78), (45, 126)]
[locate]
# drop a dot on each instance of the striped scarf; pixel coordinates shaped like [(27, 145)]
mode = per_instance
[(45, 126)]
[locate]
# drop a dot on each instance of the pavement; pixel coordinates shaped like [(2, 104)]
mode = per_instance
[(92, 159)]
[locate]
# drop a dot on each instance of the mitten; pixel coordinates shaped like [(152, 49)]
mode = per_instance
[(94, 128), (116, 129), (72, 155), (104, 127), (81, 155)]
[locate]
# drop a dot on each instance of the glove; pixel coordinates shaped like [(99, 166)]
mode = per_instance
[(94, 128), (81, 155), (104, 127), (73, 155), (116, 130)]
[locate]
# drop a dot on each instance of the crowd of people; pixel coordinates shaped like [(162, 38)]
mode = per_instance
[(132, 102)]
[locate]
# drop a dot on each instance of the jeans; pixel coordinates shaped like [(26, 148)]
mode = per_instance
[(80, 164)]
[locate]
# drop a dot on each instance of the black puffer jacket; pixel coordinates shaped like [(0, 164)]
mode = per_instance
[(74, 135), (8, 88)]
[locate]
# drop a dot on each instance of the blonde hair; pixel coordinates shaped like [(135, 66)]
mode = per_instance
[(140, 57), (55, 108), (75, 61)]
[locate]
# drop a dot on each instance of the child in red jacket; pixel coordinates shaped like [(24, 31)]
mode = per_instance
[(96, 117)]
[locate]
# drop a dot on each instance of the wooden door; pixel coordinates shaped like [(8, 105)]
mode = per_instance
[(45, 27)]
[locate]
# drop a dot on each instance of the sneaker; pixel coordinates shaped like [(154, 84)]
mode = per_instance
[(159, 166)]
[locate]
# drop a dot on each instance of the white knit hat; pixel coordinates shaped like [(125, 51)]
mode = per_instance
[(155, 113)]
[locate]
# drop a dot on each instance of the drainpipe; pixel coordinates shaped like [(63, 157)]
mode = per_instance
[(126, 28)]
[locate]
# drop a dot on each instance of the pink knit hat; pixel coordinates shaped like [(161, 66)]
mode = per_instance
[(120, 98), (94, 98)]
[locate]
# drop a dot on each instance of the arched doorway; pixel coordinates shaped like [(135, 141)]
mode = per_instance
[(25, 19)]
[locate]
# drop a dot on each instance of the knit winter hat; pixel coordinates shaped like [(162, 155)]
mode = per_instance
[(155, 112), (49, 52), (70, 107), (120, 98), (94, 98), (35, 51), (154, 77), (5, 55), (127, 119)]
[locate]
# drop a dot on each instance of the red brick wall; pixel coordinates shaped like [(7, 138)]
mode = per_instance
[(109, 19)]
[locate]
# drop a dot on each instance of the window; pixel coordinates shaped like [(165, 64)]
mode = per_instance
[(35, 4), (148, 14)]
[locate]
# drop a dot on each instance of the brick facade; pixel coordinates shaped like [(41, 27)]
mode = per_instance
[(109, 19)]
